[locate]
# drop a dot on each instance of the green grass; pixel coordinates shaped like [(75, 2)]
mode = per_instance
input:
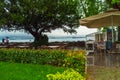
[(16, 71)]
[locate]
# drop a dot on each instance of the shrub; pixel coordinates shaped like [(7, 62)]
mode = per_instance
[(69, 74), (76, 60), (64, 58)]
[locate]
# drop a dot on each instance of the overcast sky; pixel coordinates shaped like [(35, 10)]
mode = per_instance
[(80, 31)]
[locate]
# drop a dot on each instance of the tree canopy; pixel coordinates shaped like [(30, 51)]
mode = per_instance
[(115, 1), (43, 15), (39, 16)]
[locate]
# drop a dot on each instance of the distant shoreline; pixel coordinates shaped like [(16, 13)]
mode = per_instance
[(61, 45), (51, 39)]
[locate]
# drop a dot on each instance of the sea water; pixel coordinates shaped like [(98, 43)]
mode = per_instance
[(66, 38), (51, 38)]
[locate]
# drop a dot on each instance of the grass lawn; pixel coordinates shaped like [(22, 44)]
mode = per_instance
[(104, 73), (16, 71)]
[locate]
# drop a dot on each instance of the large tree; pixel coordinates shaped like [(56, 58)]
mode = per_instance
[(92, 7), (39, 16)]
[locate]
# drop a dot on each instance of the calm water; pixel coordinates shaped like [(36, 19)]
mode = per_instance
[(51, 38), (67, 38)]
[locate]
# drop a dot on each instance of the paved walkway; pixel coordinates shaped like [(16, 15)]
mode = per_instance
[(103, 73)]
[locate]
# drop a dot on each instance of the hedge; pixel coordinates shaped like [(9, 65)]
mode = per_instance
[(65, 58)]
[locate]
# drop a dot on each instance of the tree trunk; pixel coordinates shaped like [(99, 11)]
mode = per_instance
[(37, 37), (40, 40)]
